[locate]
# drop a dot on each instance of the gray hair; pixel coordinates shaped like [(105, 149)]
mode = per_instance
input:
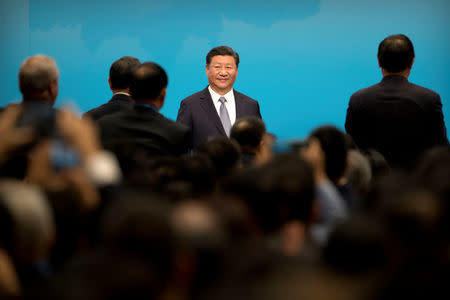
[(34, 226), (36, 73), (359, 172)]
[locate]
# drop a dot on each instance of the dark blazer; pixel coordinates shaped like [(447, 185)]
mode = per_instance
[(117, 103), (198, 113), (145, 129), (397, 118)]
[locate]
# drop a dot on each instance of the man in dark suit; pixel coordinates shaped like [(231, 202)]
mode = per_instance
[(120, 75), (214, 110), (142, 127), (395, 117)]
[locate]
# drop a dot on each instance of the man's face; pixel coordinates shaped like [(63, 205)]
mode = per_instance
[(221, 72)]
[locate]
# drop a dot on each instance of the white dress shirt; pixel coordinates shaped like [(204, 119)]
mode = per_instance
[(230, 104)]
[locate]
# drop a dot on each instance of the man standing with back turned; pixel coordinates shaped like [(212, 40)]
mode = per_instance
[(142, 127), (395, 117), (119, 80), (214, 110)]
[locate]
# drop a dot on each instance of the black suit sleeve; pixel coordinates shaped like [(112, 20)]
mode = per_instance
[(437, 124), (184, 115)]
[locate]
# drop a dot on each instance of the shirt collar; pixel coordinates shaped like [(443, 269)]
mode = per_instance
[(148, 105), (122, 93), (215, 96)]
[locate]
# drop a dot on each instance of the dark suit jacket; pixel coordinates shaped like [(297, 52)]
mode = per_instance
[(397, 118), (199, 114), (117, 103), (143, 128)]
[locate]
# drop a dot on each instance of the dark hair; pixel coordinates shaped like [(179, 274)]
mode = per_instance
[(248, 132), (222, 50), (223, 152), (121, 72), (396, 53), (280, 191), (357, 245), (149, 80), (334, 145)]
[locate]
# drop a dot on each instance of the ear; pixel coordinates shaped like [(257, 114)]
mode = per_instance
[(53, 89), (206, 69), (261, 145), (413, 60), (109, 83), (162, 97)]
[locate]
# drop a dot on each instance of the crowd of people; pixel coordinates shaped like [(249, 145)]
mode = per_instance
[(125, 203)]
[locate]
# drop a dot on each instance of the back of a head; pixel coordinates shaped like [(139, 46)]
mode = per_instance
[(223, 152), (32, 218), (277, 192), (396, 53), (121, 72), (359, 172), (357, 245), (288, 180), (334, 145), (248, 132), (223, 51), (149, 79), (139, 224), (36, 73)]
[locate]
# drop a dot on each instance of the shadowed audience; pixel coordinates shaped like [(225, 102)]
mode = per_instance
[(149, 220)]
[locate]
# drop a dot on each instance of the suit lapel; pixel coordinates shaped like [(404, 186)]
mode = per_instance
[(207, 104)]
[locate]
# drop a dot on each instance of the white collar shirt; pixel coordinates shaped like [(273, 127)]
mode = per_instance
[(230, 104)]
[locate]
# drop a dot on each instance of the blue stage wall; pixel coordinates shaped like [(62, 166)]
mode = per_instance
[(301, 59)]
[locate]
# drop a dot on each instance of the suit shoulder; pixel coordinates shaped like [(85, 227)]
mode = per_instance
[(110, 118), (95, 111), (170, 124), (365, 91), (423, 91), (245, 97), (194, 97)]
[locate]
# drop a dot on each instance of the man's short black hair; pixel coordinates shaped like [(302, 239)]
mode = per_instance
[(222, 50), (335, 148), (248, 132), (223, 152), (121, 72), (396, 53), (149, 80)]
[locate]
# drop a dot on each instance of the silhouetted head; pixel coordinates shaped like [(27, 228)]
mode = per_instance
[(38, 78), (121, 72), (396, 53), (149, 84)]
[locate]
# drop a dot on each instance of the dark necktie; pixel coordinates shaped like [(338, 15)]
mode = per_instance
[(224, 117)]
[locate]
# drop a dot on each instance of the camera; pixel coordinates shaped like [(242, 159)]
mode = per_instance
[(41, 117)]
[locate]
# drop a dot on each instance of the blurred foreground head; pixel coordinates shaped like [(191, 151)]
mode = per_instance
[(38, 79), (32, 219)]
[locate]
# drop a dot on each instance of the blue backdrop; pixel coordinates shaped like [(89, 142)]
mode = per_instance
[(301, 59)]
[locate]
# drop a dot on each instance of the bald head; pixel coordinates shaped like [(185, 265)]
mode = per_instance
[(149, 81), (248, 132), (38, 78)]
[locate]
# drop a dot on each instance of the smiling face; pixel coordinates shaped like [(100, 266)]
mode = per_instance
[(221, 72)]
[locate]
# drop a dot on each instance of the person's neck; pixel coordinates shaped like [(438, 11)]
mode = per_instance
[(121, 91), (151, 102), (221, 92), (38, 97), (404, 73)]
